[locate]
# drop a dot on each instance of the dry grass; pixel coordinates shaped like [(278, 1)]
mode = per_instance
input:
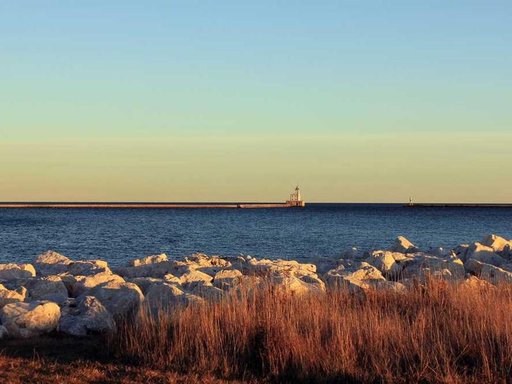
[(438, 333)]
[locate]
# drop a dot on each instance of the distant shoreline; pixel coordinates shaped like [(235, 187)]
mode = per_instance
[(228, 205)]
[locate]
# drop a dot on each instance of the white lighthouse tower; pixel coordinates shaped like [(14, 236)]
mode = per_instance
[(296, 199)]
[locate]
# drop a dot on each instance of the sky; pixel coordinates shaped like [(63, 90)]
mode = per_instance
[(356, 101)]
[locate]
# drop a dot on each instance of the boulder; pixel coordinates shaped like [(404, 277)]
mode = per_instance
[(30, 319), (13, 271), (353, 277), (421, 264), (144, 283), (163, 296), (227, 278), (488, 272), (485, 254), (298, 286), (85, 317), (385, 262), (156, 269), (194, 277), (148, 260), (205, 290), (119, 297), (499, 244), (88, 268), (78, 285), (8, 296), (461, 251), (49, 288), (51, 263), (402, 245)]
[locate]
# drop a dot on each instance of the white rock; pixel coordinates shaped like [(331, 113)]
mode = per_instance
[(402, 245), (194, 277), (149, 260), (30, 319), (485, 254), (163, 296), (8, 296), (88, 316), (79, 285), (227, 279), (421, 264), (205, 290), (13, 271), (498, 244), (298, 286), (385, 262), (488, 272), (119, 298), (51, 263), (352, 277), (49, 288), (88, 268)]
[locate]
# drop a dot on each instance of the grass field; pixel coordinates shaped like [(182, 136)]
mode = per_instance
[(437, 332)]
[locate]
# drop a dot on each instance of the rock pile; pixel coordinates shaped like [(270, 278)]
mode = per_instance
[(86, 297)]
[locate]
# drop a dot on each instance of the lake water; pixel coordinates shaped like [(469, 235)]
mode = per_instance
[(117, 235)]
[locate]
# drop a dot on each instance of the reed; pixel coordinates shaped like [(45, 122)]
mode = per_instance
[(437, 332)]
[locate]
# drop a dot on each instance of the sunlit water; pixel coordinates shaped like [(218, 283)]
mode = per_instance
[(117, 235)]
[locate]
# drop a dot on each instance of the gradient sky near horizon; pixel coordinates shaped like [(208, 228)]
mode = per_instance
[(357, 101)]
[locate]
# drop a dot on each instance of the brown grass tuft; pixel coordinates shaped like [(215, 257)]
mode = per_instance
[(437, 332)]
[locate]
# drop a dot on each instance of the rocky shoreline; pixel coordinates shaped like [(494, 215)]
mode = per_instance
[(57, 294)]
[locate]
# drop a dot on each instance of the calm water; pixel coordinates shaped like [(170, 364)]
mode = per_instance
[(117, 235)]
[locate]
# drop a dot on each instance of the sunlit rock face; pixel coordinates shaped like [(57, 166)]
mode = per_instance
[(29, 319), (79, 298)]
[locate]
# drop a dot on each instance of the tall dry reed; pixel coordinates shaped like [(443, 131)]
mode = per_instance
[(437, 332)]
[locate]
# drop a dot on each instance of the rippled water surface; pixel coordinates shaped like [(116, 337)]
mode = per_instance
[(117, 235)]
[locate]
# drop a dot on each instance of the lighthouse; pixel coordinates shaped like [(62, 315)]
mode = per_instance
[(295, 199)]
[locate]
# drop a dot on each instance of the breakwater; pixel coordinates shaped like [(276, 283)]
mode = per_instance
[(145, 205), (459, 205)]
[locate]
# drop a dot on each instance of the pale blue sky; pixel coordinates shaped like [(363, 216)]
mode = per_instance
[(345, 78)]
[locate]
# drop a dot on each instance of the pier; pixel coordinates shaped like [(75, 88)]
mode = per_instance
[(295, 201), (458, 205)]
